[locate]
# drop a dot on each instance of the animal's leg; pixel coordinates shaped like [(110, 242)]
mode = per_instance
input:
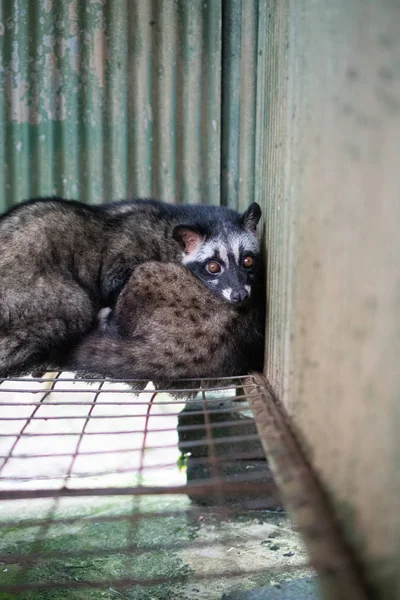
[(103, 318)]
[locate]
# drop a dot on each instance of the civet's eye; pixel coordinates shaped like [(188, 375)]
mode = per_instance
[(213, 267), (247, 262)]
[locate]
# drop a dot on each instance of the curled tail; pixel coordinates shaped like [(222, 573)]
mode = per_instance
[(105, 356), (100, 355)]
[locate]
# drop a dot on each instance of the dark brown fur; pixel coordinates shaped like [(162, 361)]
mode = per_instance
[(166, 325), (61, 261)]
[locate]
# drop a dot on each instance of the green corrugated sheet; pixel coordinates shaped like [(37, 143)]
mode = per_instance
[(104, 99)]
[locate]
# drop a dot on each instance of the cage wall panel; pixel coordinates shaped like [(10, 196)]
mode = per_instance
[(105, 100), (101, 100), (329, 171)]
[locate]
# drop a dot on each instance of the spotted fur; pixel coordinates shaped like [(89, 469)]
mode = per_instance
[(62, 261), (165, 326)]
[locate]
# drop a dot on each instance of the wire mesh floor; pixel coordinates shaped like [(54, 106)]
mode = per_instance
[(107, 493)]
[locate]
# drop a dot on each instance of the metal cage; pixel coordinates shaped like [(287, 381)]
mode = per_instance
[(136, 494)]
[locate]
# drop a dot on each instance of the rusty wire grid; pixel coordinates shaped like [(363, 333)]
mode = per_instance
[(107, 492)]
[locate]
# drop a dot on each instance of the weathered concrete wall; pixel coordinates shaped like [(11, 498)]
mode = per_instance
[(329, 173)]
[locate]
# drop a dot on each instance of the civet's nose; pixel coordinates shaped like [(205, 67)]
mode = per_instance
[(239, 295)]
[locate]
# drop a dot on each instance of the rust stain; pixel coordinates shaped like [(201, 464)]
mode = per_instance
[(73, 17), (62, 108), (19, 102), (98, 55), (52, 83), (50, 62)]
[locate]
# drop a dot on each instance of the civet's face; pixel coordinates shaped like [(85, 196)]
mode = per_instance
[(225, 262)]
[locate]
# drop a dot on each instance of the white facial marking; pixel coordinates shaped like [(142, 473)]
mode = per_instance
[(186, 258), (213, 281), (246, 241), (248, 289), (200, 254), (236, 248), (223, 254), (231, 242), (206, 250), (227, 293)]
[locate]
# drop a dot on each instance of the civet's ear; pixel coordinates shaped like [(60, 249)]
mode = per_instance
[(251, 217), (188, 237)]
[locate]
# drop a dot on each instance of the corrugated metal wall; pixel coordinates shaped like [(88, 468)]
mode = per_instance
[(104, 99), (330, 179)]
